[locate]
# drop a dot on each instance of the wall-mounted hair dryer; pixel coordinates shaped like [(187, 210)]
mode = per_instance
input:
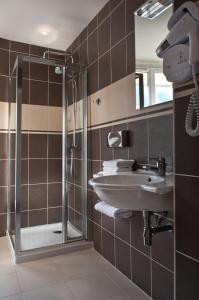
[(180, 53)]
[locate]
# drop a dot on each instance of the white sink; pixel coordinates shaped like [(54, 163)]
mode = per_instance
[(136, 191)]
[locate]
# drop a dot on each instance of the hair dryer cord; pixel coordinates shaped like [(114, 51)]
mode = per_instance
[(193, 107)]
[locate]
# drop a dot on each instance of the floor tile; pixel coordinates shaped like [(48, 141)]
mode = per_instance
[(56, 292), (94, 287), (9, 285), (79, 264), (127, 286), (42, 275)]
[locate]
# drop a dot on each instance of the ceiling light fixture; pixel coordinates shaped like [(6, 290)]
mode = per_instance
[(153, 8), (44, 32)]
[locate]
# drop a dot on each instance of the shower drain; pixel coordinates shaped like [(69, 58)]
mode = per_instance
[(57, 231)]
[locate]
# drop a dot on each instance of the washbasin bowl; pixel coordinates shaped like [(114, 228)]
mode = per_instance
[(136, 191)]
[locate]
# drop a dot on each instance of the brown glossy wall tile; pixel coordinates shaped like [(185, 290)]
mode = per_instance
[(54, 194), (78, 222), (104, 36), (37, 50), (118, 24), (24, 145), (94, 144), (55, 94), (24, 198), (3, 145), (108, 223), (38, 217), (24, 171), (54, 170), (37, 196), (108, 246), (83, 54), (161, 138), (138, 134), (162, 249), (71, 216), (92, 25), (118, 65), (97, 240), (38, 92), (122, 229), (104, 12), (131, 6), (130, 59), (78, 165), (38, 72), (187, 278), (93, 214), (162, 283), (25, 65), (104, 71), (4, 62), (78, 199), (185, 146), (54, 146), (83, 35), (187, 222), (3, 199), (19, 47), (3, 88), (93, 78), (92, 47), (114, 3), (71, 195), (54, 215), (37, 145), (123, 257), (37, 171), (4, 44), (3, 222), (25, 91), (141, 271)]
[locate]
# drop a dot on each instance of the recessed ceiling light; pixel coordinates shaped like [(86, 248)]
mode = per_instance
[(44, 32)]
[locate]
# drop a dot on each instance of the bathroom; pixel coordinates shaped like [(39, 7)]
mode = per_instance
[(99, 176)]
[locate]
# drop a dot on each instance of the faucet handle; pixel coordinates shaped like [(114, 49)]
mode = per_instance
[(157, 159)]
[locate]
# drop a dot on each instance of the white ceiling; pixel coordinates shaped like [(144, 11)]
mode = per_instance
[(63, 20)]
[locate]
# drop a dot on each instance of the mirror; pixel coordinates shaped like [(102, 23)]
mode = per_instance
[(150, 29)]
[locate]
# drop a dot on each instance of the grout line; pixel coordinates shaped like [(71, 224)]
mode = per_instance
[(149, 257), (187, 256)]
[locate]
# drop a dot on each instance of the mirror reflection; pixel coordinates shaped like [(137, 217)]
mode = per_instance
[(150, 29)]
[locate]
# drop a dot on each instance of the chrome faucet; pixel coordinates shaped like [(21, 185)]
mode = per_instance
[(160, 165)]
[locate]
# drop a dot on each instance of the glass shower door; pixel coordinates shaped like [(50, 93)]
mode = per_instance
[(40, 189)]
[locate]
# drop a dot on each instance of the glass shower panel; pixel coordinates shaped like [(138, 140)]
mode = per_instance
[(47, 190), (76, 152)]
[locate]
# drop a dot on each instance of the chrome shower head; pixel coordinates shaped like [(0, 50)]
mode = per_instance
[(58, 70)]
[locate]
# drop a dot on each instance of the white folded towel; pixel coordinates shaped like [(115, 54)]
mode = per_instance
[(118, 163), (111, 211), (116, 169)]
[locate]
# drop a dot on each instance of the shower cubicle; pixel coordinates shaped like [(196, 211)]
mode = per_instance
[(47, 195)]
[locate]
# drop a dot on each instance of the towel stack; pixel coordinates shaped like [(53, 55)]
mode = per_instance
[(117, 166), (113, 212)]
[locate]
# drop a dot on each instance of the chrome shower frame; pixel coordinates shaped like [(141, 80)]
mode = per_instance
[(17, 73)]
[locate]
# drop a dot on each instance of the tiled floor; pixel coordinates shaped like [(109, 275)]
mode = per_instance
[(82, 275)]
